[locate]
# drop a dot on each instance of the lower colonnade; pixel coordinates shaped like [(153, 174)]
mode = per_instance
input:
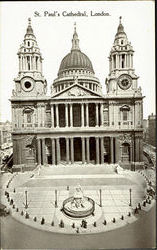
[(75, 149)]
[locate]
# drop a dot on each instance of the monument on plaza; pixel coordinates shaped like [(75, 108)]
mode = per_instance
[(78, 205)]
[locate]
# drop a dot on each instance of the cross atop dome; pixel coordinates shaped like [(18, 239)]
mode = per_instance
[(74, 26), (75, 40), (29, 21)]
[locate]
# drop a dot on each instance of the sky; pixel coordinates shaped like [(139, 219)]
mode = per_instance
[(96, 35)]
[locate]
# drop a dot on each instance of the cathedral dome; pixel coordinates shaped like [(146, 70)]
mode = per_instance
[(75, 60)]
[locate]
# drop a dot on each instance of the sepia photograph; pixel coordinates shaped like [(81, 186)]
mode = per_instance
[(77, 125)]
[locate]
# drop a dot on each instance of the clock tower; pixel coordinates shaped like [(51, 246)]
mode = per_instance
[(30, 81), (122, 80)]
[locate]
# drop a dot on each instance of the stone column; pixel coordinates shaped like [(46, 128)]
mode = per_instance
[(58, 150), (111, 150), (97, 150), (97, 115), (101, 114), (125, 61), (83, 150), (131, 156), (30, 63), (39, 151), (66, 115), (57, 116), (19, 63), (87, 115), (43, 114), (87, 150), (141, 149), (102, 150), (71, 115), (52, 116), (44, 151), (53, 151), (72, 149), (117, 61), (67, 150), (82, 114)]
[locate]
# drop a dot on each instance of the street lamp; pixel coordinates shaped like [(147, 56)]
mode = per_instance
[(100, 198), (130, 204), (56, 198), (26, 201)]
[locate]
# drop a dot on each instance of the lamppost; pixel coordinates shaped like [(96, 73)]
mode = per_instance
[(26, 200), (56, 198), (130, 204), (100, 197)]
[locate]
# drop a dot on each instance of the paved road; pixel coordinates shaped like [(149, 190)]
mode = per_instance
[(140, 234)]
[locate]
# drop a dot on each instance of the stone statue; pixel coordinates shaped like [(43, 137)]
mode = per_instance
[(13, 92), (78, 200), (75, 79)]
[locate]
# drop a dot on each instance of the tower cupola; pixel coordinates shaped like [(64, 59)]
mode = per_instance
[(30, 80), (30, 58), (121, 55)]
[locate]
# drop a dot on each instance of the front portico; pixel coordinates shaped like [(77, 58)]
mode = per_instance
[(81, 150)]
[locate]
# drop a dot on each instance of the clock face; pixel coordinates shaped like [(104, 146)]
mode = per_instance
[(27, 84), (124, 81)]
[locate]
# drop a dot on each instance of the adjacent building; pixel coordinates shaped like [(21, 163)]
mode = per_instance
[(5, 133), (77, 123)]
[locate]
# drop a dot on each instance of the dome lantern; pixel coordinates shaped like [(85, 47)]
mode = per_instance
[(75, 60)]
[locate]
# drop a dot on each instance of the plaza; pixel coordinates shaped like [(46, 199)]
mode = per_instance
[(112, 199)]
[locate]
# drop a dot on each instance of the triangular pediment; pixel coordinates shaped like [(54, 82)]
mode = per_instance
[(76, 91)]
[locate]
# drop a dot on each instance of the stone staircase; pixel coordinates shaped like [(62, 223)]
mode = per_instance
[(77, 169)]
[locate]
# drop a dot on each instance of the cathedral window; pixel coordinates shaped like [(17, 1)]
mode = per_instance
[(121, 41), (125, 115), (125, 149), (29, 118), (28, 43), (125, 112)]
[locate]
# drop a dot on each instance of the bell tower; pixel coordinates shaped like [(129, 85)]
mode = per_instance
[(122, 79), (30, 81)]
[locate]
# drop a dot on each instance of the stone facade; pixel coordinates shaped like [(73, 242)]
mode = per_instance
[(77, 123)]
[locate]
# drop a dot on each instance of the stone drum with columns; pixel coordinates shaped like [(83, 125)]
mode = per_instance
[(77, 124)]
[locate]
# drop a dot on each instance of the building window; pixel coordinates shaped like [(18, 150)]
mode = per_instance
[(28, 43), (28, 118), (125, 149), (125, 115), (124, 112)]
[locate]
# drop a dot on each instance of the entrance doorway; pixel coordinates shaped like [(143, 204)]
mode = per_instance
[(63, 149), (92, 146), (77, 149)]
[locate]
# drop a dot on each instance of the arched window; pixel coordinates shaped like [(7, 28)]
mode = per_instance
[(28, 43)]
